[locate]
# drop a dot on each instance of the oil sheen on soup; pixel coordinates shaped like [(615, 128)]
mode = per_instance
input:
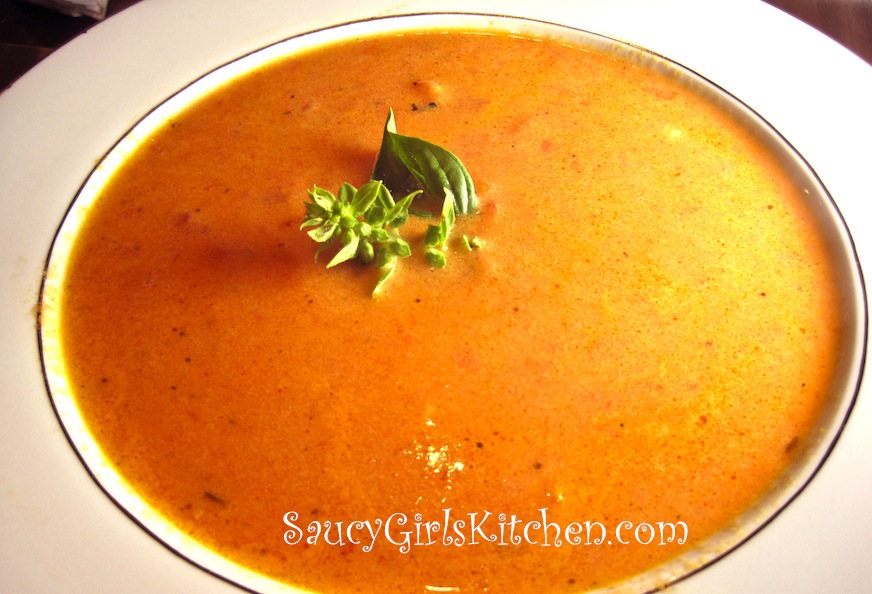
[(647, 332)]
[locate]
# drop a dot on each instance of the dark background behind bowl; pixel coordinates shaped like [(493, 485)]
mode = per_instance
[(29, 33)]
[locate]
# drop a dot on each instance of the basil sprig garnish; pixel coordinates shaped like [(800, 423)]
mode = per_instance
[(366, 221)]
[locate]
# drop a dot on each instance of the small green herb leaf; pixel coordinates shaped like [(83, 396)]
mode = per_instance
[(350, 241), (365, 198), (366, 252), (406, 163), (322, 199), (399, 213), (437, 235), (436, 258), (471, 243), (325, 232)]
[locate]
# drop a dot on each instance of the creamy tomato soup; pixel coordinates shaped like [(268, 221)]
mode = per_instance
[(633, 357)]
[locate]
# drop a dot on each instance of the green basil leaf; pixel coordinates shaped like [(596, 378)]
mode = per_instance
[(366, 251), (400, 247), (350, 242), (376, 216), (387, 263), (380, 235), (315, 222), (365, 197), (436, 258), (346, 193), (324, 232), (384, 197), (437, 235), (406, 163), (322, 198), (433, 236), (399, 214)]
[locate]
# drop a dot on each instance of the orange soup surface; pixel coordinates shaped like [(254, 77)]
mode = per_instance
[(647, 333)]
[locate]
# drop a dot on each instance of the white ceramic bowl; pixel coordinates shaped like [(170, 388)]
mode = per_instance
[(814, 451)]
